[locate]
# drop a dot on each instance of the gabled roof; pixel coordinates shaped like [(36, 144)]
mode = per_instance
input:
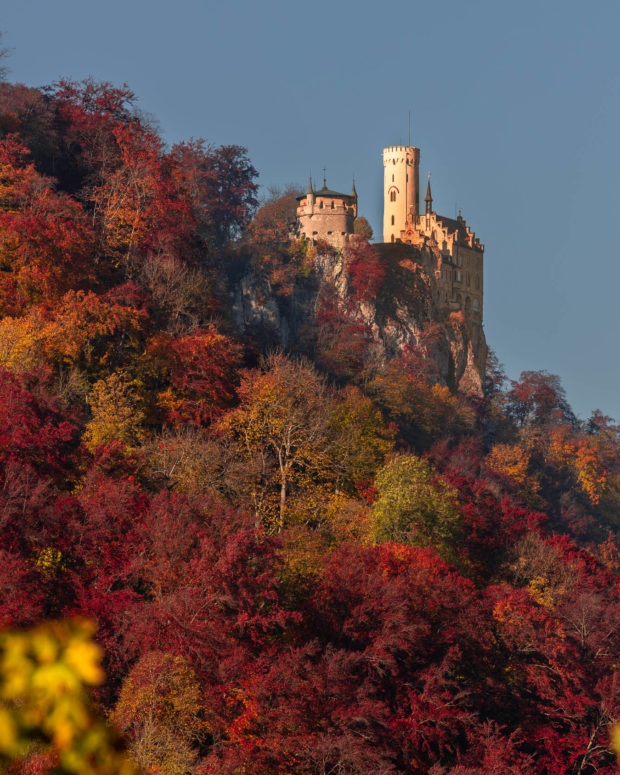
[(454, 226), (458, 227)]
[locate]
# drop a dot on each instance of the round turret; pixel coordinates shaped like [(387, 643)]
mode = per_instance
[(401, 164), (327, 215)]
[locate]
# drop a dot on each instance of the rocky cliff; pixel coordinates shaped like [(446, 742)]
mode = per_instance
[(397, 309)]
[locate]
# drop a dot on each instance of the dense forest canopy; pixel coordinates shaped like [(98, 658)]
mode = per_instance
[(310, 560)]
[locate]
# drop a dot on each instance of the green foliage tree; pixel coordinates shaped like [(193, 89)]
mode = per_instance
[(361, 439), (414, 506)]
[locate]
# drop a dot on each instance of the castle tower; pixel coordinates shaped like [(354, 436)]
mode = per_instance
[(326, 215), (401, 188)]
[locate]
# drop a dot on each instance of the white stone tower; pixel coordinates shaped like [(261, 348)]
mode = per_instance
[(401, 188)]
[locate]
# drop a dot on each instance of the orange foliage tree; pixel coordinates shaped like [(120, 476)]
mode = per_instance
[(45, 237)]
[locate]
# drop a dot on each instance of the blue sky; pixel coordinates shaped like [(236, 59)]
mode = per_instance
[(515, 107)]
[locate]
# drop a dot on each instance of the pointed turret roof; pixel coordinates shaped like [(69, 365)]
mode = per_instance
[(353, 191), (428, 198), (310, 189)]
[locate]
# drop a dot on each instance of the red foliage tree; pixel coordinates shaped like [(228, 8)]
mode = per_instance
[(366, 270), (341, 339), (538, 398), (219, 185), (201, 369)]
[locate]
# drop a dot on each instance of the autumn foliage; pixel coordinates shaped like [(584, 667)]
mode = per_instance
[(316, 559)]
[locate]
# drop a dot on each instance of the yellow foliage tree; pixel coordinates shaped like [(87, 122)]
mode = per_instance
[(160, 709), (20, 343), (115, 413), (582, 457), (425, 411), (513, 460), (283, 416)]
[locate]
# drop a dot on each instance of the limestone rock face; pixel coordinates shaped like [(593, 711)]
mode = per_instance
[(398, 317)]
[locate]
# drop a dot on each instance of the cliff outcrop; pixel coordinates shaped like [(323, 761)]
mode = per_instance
[(388, 291)]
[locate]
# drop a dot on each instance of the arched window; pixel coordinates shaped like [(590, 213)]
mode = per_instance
[(392, 196), (392, 220)]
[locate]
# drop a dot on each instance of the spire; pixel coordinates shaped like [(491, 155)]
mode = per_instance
[(324, 180), (429, 199), (310, 189), (353, 191)]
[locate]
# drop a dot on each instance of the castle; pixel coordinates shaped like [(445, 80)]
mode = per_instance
[(448, 249)]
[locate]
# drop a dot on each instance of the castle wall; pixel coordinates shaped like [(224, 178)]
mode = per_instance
[(458, 264)]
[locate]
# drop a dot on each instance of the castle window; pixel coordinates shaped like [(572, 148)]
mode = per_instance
[(332, 204), (477, 282), (392, 196), (467, 278), (321, 205), (392, 178), (476, 305), (393, 161), (329, 232), (392, 220)]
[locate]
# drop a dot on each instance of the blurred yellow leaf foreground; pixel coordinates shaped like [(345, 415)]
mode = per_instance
[(45, 704)]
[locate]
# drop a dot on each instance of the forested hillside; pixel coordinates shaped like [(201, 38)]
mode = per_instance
[(320, 558)]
